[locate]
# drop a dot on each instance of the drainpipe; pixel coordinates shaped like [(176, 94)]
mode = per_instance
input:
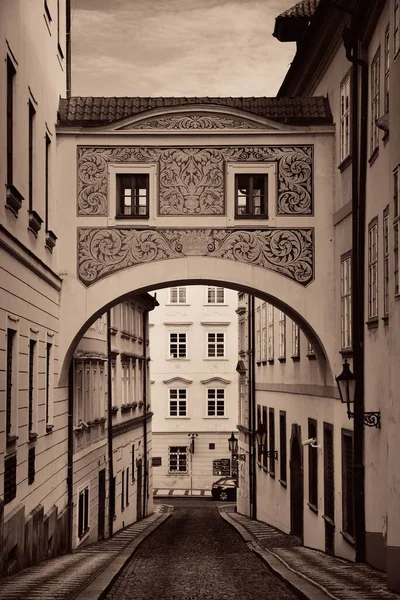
[(359, 111), (70, 465), (252, 410), (111, 491), (68, 46), (145, 467)]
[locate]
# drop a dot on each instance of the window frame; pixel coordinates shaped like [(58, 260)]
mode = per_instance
[(373, 274), (179, 289), (270, 333), (135, 197), (264, 333), (396, 28), (216, 400), (178, 399), (10, 473), (11, 74), (347, 484), (215, 290), (283, 446), (179, 344), (312, 466), (216, 344), (181, 451), (345, 301), (250, 168), (31, 152), (282, 336), (375, 72), (258, 335), (83, 527), (386, 95), (345, 117), (295, 341), (114, 170), (386, 261), (396, 229), (251, 198), (271, 440)]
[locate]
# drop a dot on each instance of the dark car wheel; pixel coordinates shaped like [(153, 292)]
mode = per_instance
[(223, 496)]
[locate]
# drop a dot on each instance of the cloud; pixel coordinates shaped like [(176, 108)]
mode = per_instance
[(170, 47)]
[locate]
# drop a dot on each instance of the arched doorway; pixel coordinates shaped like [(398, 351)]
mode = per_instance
[(296, 485)]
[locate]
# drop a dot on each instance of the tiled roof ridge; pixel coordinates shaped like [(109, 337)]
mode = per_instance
[(305, 8)]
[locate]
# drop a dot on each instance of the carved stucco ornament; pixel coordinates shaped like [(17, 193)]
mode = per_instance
[(104, 251), (191, 180), (195, 121)]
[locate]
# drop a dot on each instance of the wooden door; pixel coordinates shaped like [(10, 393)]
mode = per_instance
[(139, 499), (102, 504), (296, 490)]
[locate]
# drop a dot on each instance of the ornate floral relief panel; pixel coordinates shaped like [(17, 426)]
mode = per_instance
[(103, 251), (192, 179), (195, 121)]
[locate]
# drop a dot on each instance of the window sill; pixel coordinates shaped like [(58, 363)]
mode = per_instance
[(328, 520), (373, 156), (271, 474), (313, 508), (283, 483), (175, 473), (258, 363), (345, 163), (385, 319), (132, 217), (11, 440), (282, 359), (49, 428), (51, 239), (83, 534), (251, 217), (348, 538), (113, 330), (32, 436), (264, 362), (346, 352), (270, 361), (295, 358), (372, 323), (215, 358), (34, 223), (216, 417), (176, 359), (177, 417), (13, 199), (311, 357)]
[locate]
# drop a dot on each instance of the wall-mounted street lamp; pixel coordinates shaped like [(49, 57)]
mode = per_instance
[(346, 382), (261, 435), (233, 443), (192, 436)]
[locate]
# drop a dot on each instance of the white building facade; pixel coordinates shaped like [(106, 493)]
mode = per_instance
[(194, 390)]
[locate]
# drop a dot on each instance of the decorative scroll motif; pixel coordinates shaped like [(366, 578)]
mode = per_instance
[(102, 251), (191, 179), (195, 121)]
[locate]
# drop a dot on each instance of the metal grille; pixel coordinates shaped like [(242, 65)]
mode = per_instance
[(31, 465), (10, 478)]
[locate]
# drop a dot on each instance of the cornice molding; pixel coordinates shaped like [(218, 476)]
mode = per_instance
[(178, 380), (215, 380)]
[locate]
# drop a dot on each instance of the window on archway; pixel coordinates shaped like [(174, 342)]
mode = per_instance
[(133, 196), (251, 193)]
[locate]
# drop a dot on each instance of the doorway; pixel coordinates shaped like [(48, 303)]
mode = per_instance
[(139, 491), (102, 504), (296, 487)]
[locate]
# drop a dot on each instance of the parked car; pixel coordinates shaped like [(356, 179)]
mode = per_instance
[(224, 489)]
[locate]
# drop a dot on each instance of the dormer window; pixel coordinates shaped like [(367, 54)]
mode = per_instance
[(133, 196), (251, 195)]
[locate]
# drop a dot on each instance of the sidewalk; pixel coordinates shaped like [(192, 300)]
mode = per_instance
[(167, 492), (67, 576), (314, 574)]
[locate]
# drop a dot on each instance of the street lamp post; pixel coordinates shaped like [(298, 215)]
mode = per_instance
[(233, 447), (192, 436)]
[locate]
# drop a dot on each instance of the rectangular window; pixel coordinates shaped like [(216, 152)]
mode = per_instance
[(31, 465), (177, 345), (31, 383), (123, 490), (312, 466), (271, 436), (83, 512), (49, 348), (10, 378), (347, 483), (345, 118), (373, 270), (270, 333), (133, 462), (133, 196), (282, 336), (264, 332), (259, 424), (216, 402), (178, 460), (375, 99), (386, 262), (215, 295), (329, 473), (251, 196), (216, 345), (47, 181), (127, 485), (265, 428), (10, 478), (258, 334), (11, 72), (177, 403), (396, 228), (396, 23), (177, 295), (282, 446), (345, 301), (310, 350), (31, 142), (295, 341), (387, 67)]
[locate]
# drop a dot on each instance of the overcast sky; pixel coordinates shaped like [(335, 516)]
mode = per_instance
[(177, 47)]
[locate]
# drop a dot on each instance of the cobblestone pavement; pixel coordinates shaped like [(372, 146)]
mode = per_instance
[(196, 555), (343, 580), (62, 578)]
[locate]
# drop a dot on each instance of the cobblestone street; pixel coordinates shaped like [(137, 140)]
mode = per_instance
[(196, 555)]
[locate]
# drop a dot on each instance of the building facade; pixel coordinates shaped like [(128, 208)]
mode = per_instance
[(194, 386), (353, 57), (33, 411)]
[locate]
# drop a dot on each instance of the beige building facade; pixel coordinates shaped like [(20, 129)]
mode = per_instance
[(194, 386)]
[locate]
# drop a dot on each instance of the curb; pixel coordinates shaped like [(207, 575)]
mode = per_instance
[(97, 589), (305, 588)]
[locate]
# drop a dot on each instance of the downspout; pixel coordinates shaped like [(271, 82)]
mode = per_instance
[(145, 468), (252, 411), (359, 160), (111, 491), (70, 466), (68, 46)]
